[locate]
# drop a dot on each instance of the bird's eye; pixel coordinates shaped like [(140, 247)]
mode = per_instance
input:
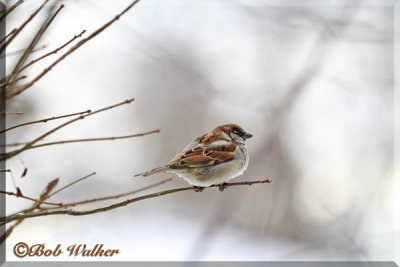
[(237, 132)]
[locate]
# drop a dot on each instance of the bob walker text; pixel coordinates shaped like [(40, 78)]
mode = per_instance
[(22, 249)]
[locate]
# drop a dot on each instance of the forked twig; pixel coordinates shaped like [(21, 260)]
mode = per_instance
[(50, 186), (55, 51), (8, 35), (32, 45), (65, 205), (29, 145), (116, 196), (19, 29), (30, 198), (22, 88), (72, 183), (14, 81)]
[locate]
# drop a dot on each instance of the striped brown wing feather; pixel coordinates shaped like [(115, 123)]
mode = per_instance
[(207, 138), (203, 156)]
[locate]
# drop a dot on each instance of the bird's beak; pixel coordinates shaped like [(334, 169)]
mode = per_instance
[(247, 136)]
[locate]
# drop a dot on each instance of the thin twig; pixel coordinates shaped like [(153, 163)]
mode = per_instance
[(74, 182), (82, 140), (44, 120), (116, 196), (15, 80), (19, 29), (119, 204), (62, 205), (3, 113), (8, 35), (10, 9), (52, 52), (22, 88), (95, 139), (50, 186), (9, 231), (8, 170), (30, 198), (33, 43), (16, 52), (13, 144), (10, 154)]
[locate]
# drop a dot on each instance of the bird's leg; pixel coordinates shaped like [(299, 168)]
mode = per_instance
[(222, 186), (198, 188)]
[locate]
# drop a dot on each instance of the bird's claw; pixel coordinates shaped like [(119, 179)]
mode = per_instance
[(198, 188), (222, 186)]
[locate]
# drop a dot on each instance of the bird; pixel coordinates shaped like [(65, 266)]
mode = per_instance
[(213, 158)]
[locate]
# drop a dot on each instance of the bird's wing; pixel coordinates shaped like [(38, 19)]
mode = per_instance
[(204, 155)]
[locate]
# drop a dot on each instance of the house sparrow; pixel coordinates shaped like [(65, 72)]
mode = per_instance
[(211, 159)]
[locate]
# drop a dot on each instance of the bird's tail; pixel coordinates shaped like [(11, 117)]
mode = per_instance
[(153, 171)]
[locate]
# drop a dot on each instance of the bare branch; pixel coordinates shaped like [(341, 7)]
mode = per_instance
[(16, 52), (14, 81), (50, 186), (8, 170), (52, 52), (82, 140), (9, 231), (10, 154), (3, 113), (22, 88), (117, 196), (10, 9), (44, 120), (19, 29), (13, 144), (74, 182), (30, 198), (62, 205), (32, 45), (8, 35), (95, 139), (119, 204)]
